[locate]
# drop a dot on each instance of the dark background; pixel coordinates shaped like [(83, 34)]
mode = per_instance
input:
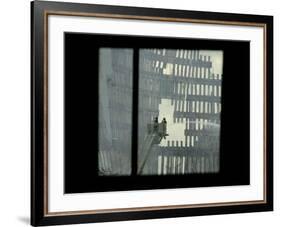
[(81, 114)]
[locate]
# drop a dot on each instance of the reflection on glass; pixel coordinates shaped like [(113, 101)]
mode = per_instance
[(115, 111), (179, 111)]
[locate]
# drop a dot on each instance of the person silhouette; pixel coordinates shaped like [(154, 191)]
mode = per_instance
[(164, 127), (155, 126)]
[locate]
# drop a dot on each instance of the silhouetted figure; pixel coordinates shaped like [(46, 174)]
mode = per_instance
[(164, 127), (155, 125)]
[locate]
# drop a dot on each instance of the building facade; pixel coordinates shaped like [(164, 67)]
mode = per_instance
[(182, 86)]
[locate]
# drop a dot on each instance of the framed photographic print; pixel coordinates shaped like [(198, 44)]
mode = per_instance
[(142, 113)]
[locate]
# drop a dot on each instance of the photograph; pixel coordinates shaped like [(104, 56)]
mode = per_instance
[(179, 111)]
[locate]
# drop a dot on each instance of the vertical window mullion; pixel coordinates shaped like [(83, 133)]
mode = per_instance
[(135, 111)]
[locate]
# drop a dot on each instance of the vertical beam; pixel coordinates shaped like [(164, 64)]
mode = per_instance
[(135, 111)]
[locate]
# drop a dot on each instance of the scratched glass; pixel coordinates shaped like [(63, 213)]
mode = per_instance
[(115, 111)]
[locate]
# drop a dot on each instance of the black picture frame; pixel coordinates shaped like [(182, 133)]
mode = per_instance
[(40, 214)]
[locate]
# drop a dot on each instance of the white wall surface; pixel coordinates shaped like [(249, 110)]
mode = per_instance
[(15, 111)]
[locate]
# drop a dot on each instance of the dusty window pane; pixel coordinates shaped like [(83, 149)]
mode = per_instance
[(115, 111), (179, 111)]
